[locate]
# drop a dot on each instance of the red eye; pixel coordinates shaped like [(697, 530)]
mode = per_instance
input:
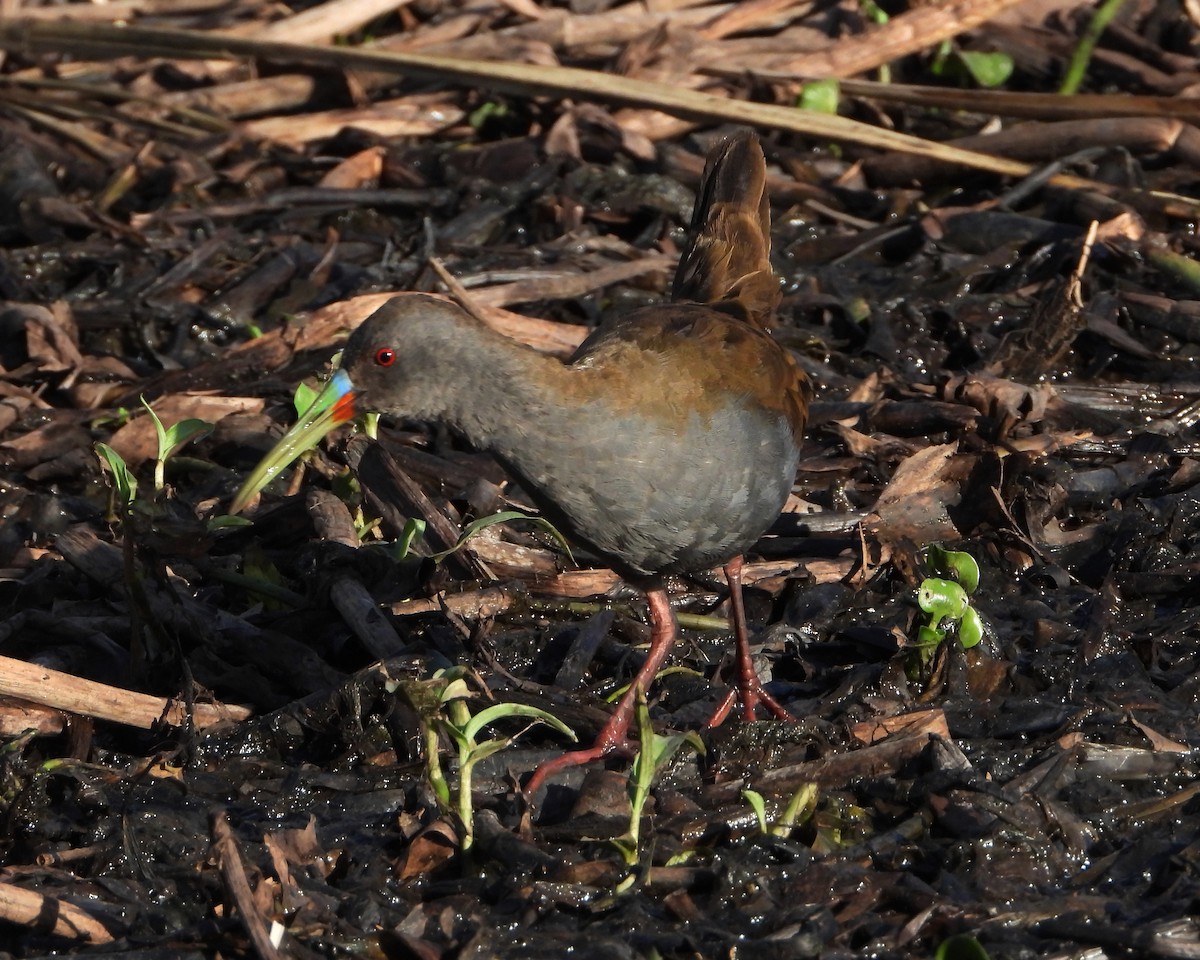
[(385, 356)]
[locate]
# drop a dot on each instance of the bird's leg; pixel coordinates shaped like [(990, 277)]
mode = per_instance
[(615, 735), (750, 688)]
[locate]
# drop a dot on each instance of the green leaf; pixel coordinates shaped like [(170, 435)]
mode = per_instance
[(964, 569), (481, 751), (183, 432), (930, 636), (158, 428), (952, 564), (941, 58), (961, 947), (1076, 70), (454, 687), (821, 96), (414, 529), (488, 110), (501, 710), (504, 516), (303, 398), (1180, 267), (462, 743), (942, 599), (970, 631), (124, 482), (665, 748), (758, 805), (803, 799), (987, 69), (170, 440)]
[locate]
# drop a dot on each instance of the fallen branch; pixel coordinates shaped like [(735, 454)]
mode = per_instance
[(26, 908), (88, 698)]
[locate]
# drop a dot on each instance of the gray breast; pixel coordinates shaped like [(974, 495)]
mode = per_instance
[(653, 500)]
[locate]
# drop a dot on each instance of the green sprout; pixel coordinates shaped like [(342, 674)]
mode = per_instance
[(414, 529), (171, 440), (821, 96), (617, 693), (945, 599), (487, 112), (303, 398), (961, 947), (440, 703), (655, 751), (1077, 67), (987, 70), (503, 516), (124, 482), (799, 808)]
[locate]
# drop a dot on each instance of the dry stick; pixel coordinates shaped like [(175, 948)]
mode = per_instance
[(418, 115), (519, 79), (751, 15), (912, 31), (327, 20), (358, 609), (1035, 106), (28, 909), (233, 872), (563, 29), (91, 699), (565, 286), (458, 293), (20, 717)]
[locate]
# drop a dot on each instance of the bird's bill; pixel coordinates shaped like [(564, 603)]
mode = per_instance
[(333, 406)]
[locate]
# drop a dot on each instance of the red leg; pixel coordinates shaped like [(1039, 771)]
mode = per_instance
[(750, 688), (615, 735)]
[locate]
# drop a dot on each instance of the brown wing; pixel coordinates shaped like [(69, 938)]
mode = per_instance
[(728, 262), (704, 354)]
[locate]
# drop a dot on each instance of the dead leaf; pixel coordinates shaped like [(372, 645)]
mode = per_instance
[(429, 849), (913, 504)]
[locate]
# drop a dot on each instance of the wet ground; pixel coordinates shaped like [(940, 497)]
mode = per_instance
[(992, 373)]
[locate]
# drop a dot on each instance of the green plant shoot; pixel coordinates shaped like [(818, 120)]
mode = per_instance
[(440, 703), (124, 482), (171, 440), (945, 599), (504, 516), (654, 753), (801, 803)]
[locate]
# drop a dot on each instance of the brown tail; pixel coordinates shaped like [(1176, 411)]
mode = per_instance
[(728, 263)]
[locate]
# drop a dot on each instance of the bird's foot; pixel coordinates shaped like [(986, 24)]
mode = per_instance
[(749, 687), (605, 744), (751, 694), (756, 695), (614, 738)]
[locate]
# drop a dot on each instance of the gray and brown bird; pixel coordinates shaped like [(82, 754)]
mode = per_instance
[(667, 444)]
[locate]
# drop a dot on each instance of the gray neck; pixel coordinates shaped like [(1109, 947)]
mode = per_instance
[(496, 393)]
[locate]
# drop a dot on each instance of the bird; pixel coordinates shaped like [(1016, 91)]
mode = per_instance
[(666, 445)]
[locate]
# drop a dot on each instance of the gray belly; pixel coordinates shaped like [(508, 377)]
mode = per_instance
[(651, 500)]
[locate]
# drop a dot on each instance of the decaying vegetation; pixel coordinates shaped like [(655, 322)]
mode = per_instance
[(208, 727)]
